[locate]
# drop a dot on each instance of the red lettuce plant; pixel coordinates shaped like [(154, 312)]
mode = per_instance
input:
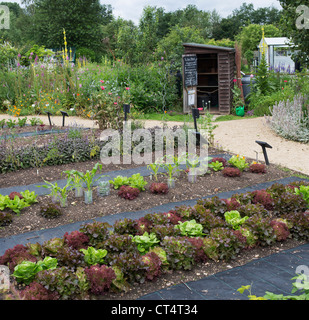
[(159, 188), (128, 192), (117, 243), (153, 265), (258, 168), (142, 225), (299, 225), (76, 239), (165, 230), (96, 232), (36, 291), (198, 244), (179, 252), (231, 172), (231, 204), (208, 219), (125, 226), (14, 256), (264, 198), (100, 278), (281, 230), (173, 217), (5, 218), (13, 194), (216, 205)]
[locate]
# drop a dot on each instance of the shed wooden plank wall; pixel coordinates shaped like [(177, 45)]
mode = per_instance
[(226, 75)]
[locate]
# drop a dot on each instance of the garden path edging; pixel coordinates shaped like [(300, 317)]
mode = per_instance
[(46, 234)]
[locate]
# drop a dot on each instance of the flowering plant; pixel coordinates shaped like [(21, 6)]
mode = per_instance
[(107, 107)]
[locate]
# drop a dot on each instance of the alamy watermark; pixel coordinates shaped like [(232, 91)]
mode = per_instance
[(4, 278), (4, 17), (303, 276), (138, 146), (302, 22)]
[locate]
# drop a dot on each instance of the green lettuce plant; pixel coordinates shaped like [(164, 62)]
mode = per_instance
[(94, 256), (137, 181), (304, 191), (190, 228), (146, 241), (26, 271), (16, 205), (216, 166), (234, 219), (239, 162), (119, 181), (29, 197)]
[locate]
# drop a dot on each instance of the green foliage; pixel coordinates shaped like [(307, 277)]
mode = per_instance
[(238, 162), (216, 166), (234, 219), (190, 228), (304, 191), (94, 256), (27, 270), (145, 242), (135, 181), (15, 205)]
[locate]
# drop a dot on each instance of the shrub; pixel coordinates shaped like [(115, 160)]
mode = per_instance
[(258, 168), (50, 211), (231, 172), (5, 218), (100, 278), (13, 194), (129, 193), (159, 188), (76, 239), (179, 252)]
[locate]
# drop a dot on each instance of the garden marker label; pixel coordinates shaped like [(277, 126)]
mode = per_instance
[(4, 17)]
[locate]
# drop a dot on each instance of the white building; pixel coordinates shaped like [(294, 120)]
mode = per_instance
[(277, 53)]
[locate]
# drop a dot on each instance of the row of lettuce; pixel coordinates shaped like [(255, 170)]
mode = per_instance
[(99, 258)]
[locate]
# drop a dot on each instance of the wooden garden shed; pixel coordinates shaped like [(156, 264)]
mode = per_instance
[(208, 73)]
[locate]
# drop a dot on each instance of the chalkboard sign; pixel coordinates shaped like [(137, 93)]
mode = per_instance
[(190, 70)]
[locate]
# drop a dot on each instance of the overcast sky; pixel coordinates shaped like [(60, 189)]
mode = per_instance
[(132, 9)]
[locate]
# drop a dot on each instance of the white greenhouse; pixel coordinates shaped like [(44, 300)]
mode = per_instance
[(277, 53)]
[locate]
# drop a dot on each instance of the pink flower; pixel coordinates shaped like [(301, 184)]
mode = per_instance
[(127, 88), (285, 80), (102, 88), (102, 81), (110, 93), (234, 80), (115, 103)]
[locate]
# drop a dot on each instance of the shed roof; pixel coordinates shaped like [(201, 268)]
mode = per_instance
[(208, 46), (283, 41)]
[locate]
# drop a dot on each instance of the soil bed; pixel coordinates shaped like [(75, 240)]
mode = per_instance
[(213, 183)]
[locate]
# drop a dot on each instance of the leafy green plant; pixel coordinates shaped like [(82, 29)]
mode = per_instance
[(22, 122), (50, 210), (216, 166), (94, 256), (11, 123), (146, 241), (16, 205), (137, 181), (119, 181), (234, 219), (3, 201), (88, 176), (238, 162), (29, 197), (190, 228), (304, 191), (26, 271), (155, 169)]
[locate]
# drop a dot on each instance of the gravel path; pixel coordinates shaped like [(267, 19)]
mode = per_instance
[(237, 136)]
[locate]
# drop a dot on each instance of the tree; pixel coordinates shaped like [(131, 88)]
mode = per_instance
[(80, 18), (295, 22)]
